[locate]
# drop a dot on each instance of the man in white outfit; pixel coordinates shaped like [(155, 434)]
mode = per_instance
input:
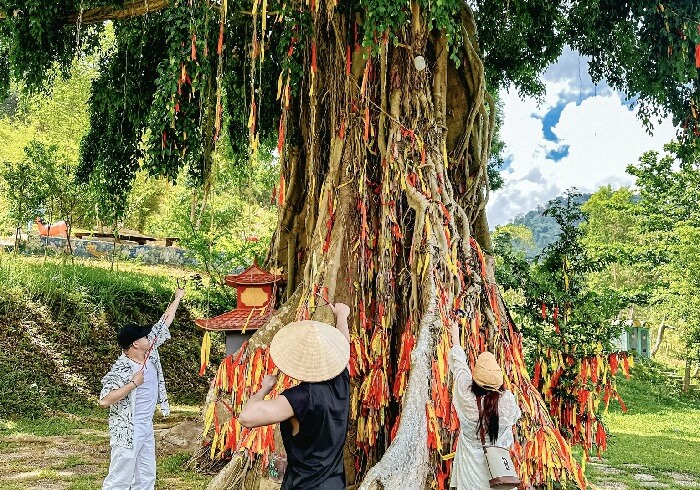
[(131, 390)]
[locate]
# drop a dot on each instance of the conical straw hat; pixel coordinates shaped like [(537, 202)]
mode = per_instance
[(310, 351)]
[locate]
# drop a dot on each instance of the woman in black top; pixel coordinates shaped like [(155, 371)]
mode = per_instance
[(313, 415)]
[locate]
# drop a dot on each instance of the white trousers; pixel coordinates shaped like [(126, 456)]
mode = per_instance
[(135, 468)]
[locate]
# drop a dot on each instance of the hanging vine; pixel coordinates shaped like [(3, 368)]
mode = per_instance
[(111, 150)]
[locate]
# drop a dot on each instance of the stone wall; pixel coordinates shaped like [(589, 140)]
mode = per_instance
[(102, 250)]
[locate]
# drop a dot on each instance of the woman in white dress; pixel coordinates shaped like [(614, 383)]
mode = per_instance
[(500, 413)]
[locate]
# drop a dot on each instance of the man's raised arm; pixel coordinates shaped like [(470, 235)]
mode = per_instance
[(169, 314)]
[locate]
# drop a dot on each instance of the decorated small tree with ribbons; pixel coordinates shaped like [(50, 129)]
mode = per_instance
[(569, 327), (383, 124)]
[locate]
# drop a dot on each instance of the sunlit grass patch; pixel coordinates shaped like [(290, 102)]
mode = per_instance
[(71, 461), (657, 438), (661, 429), (85, 483), (172, 474), (51, 426)]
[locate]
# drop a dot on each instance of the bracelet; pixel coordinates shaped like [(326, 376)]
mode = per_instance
[(135, 385)]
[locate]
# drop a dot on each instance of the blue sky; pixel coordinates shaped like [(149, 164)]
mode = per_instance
[(580, 135)]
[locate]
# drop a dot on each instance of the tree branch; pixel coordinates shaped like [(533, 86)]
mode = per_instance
[(660, 336), (130, 10)]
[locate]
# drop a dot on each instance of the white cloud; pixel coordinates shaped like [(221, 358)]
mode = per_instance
[(603, 137)]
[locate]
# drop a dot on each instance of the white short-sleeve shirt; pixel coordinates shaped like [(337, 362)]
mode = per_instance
[(146, 398)]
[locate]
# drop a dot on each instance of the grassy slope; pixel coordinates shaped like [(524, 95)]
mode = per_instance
[(77, 309)]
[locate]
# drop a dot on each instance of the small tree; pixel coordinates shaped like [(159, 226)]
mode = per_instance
[(569, 326), (228, 227), (682, 298), (65, 198), (24, 188), (144, 201), (612, 236), (669, 218)]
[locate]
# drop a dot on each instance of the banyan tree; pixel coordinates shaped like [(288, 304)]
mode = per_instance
[(383, 117)]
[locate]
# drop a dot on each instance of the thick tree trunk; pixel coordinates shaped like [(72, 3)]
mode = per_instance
[(385, 167), (405, 463)]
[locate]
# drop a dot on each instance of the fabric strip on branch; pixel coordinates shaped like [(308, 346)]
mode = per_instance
[(239, 376), (592, 379)]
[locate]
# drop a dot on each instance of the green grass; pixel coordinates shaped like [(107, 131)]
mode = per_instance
[(660, 431), (71, 461), (174, 467), (661, 428), (94, 287), (665, 442), (93, 439), (84, 483), (51, 426)]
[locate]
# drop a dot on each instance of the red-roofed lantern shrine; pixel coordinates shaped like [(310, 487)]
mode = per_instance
[(255, 300)]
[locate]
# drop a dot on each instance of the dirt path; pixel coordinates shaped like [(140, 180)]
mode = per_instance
[(79, 458), (635, 477)]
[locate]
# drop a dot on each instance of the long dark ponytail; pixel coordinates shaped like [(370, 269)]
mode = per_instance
[(489, 413)]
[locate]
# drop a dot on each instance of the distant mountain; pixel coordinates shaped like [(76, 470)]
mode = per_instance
[(545, 229)]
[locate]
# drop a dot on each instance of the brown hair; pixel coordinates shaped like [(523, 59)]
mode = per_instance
[(489, 414)]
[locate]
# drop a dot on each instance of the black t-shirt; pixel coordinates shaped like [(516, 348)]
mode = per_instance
[(315, 454)]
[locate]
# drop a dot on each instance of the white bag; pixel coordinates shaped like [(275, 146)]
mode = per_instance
[(501, 468)]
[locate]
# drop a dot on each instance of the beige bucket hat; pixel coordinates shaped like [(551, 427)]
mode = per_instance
[(311, 351), (487, 372)]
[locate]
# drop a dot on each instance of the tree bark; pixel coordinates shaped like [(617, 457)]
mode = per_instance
[(686, 373), (18, 239), (405, 464)]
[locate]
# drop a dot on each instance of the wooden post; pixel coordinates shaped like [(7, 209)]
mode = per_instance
[(686, 374), (659, 337)]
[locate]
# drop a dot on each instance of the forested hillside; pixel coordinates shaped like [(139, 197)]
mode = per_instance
[(544, 228)]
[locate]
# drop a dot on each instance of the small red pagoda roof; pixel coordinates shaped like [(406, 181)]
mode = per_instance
[(235, 320), (253, 275)]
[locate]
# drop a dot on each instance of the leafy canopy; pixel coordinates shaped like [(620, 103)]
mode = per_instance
[(178, 77), (669, 220)]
